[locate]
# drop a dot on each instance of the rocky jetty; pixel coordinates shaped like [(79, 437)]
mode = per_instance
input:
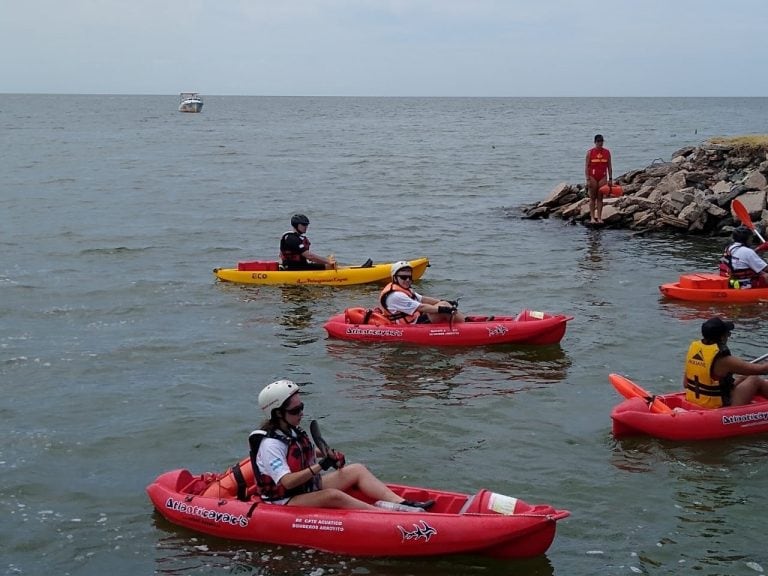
[(690, 194)]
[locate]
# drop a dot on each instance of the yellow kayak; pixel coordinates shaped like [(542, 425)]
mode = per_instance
[(342, 276)]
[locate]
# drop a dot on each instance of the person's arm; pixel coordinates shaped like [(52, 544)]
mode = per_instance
[(586, 168), (273, 450), (753, 260), (610, 170), (293, 479), (735, 365), (312, 257), (429, 300), (431, 305)]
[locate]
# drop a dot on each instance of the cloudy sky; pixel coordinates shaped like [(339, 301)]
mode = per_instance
[(385, 47)]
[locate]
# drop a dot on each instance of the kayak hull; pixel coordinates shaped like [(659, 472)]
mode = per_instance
[(708, 287), (485, 523), (528, 327), (682, 420), (341, 276)]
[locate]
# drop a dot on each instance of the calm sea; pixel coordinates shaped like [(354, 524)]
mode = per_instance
[(121, 357)]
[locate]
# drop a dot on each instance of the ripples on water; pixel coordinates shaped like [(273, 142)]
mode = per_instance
[(121, 357)]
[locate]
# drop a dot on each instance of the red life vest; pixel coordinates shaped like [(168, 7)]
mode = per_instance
[(300, 455), (288, 255), (397, 317), (746, 277), (598, 162)]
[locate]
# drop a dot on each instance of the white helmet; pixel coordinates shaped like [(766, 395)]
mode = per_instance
[(397, 266), (275, 394)]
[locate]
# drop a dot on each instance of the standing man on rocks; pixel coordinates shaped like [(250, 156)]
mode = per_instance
[(598, 171)]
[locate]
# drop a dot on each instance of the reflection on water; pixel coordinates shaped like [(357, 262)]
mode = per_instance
[(709, 503), (593, 259), (185, 553), (749, 314), (182, 552), (453, 374), (296, 314)]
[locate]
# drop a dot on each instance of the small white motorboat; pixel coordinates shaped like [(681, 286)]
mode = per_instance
[(190, 102)]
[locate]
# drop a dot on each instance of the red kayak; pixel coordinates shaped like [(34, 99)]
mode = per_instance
[(528, 327), (709, 287), (671, 417), (485, 523)]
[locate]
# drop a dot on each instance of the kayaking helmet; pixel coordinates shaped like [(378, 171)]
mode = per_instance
[(297, 219), (397, 266), (742, 234), (274, 395)]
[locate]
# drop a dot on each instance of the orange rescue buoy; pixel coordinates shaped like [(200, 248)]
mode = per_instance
[(613, 191)]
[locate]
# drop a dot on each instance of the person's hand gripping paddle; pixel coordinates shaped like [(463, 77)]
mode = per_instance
[(330, 457)]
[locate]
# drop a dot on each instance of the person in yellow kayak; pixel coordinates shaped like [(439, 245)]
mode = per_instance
[(743, 266), (709, 379), (404, 305), (294, 248), (287, 471)]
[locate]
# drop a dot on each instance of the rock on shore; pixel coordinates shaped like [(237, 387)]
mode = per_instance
[(690, 194)]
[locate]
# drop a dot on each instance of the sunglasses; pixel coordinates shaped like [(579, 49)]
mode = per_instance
[(296, 410), (404, 277)]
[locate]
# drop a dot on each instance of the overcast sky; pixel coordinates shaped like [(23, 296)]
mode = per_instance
[(386, 47)]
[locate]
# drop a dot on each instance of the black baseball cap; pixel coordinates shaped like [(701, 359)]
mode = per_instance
[(714, 328)]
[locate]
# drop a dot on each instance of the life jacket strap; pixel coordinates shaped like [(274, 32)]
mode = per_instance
[(242, 486)]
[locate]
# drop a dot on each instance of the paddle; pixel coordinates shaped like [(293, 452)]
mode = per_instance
[(741, 213), (629, 389), (322, 445)]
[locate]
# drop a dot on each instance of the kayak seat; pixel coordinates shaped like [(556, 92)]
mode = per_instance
[(194, 485)]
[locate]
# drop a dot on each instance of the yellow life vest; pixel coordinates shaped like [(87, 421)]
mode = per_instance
[(701, 387)]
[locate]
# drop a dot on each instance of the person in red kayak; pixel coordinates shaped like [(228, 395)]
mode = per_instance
[(598, 171), (287, 471), (709, 379), (294, 248), (404, 305), (744, 268)]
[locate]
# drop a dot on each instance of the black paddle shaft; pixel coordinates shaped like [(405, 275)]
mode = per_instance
[(322, 445)]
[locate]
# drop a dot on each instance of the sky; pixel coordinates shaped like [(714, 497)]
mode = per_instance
[(385, 47)]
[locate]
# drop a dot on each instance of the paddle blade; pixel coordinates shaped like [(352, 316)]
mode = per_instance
[(741, 213), (629, 389), (322, 445)]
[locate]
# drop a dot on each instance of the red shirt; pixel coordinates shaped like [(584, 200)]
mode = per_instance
[(599, 158)]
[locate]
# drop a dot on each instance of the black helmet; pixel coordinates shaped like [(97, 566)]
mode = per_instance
[(742, 234), (297, 219)]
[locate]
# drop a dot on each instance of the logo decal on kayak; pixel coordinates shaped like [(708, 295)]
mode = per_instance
[(206, 514), (749, 419), (421, 530), (374, 332), (498, 330)]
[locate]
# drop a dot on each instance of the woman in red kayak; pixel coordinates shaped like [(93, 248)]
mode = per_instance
[(286, 469)]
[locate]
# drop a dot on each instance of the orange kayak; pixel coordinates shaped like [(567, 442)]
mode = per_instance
[(709, 287)]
